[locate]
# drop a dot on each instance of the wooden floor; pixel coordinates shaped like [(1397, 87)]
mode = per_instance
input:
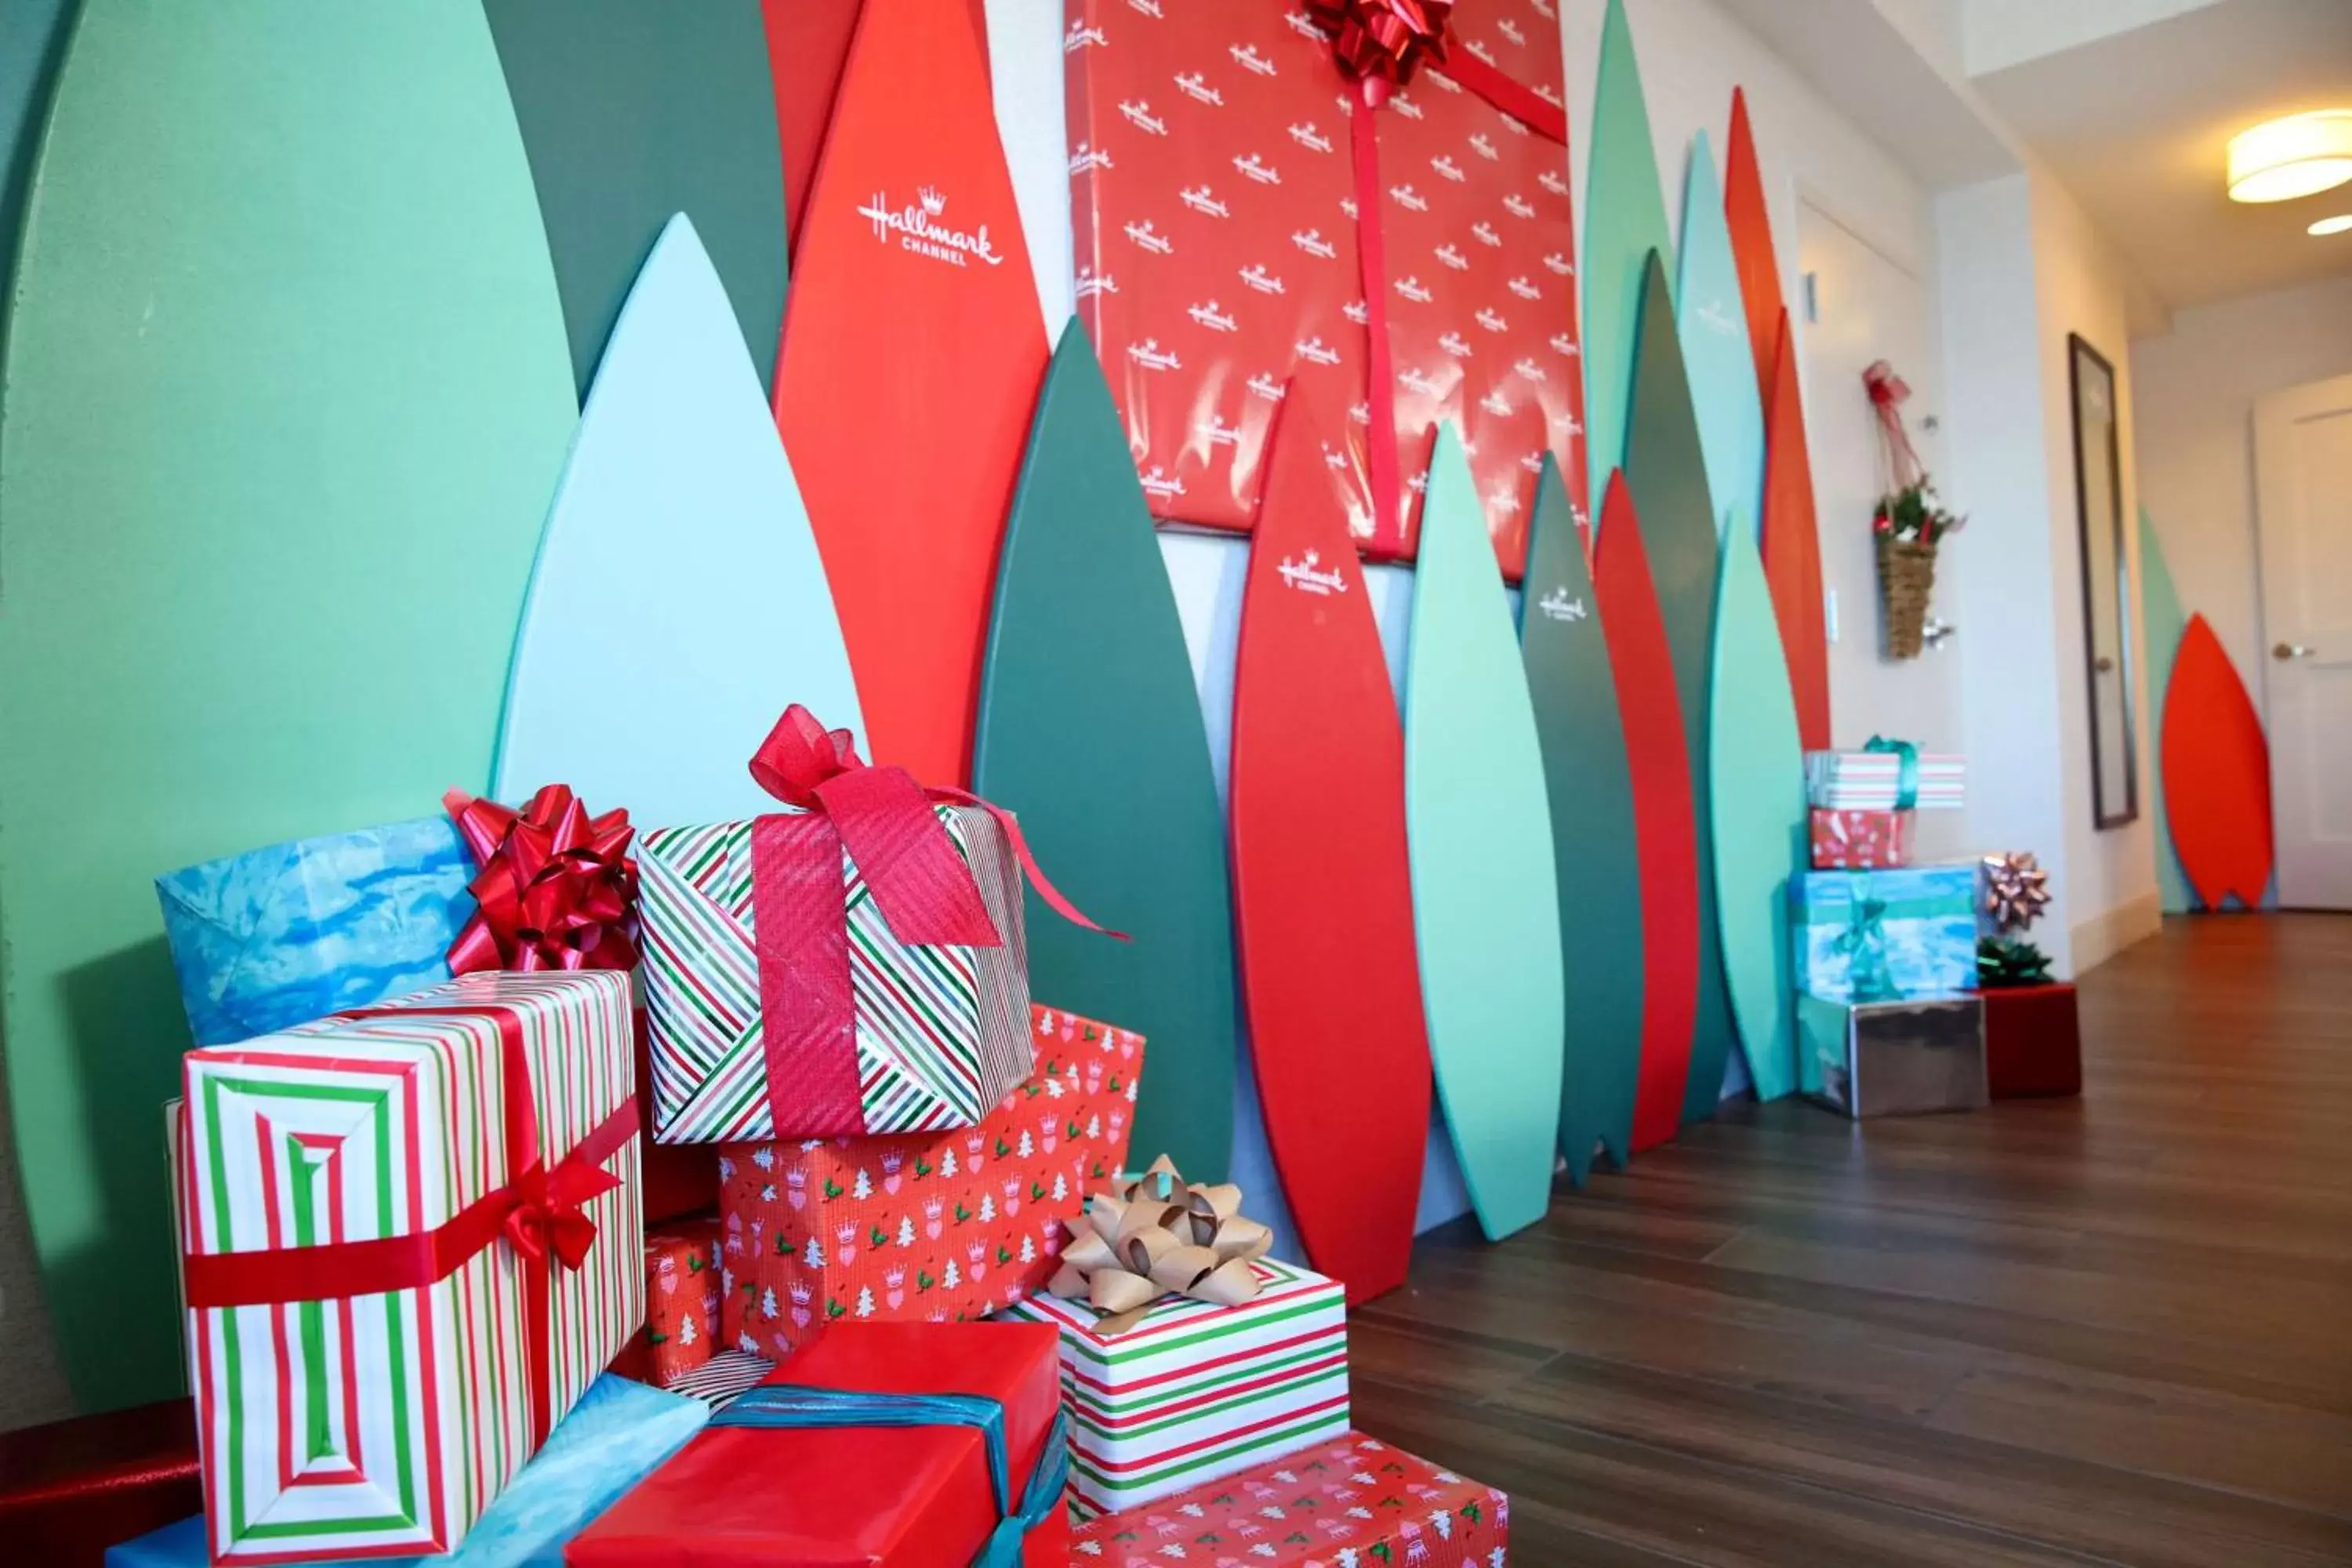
[(2117, 1330)]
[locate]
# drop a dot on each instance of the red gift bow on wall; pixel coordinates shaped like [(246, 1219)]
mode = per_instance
[(922, 887), (1379, 43), (1889, 393), (556, 887)]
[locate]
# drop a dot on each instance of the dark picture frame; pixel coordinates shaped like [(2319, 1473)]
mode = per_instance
[(2108, 669)]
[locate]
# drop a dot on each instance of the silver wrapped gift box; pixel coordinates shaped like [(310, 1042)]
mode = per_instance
[(1894, 1057)]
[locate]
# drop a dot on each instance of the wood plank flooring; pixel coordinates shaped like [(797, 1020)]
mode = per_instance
[(2116, 1330)]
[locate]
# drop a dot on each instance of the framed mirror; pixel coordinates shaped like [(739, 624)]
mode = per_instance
[(2107, 588)]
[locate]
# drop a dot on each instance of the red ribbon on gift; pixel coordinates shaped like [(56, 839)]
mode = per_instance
[(919, 882), (556, 887), (539, 1211), (1889, 393), (1379, 43)]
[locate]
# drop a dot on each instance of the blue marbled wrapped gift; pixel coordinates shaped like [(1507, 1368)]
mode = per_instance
[(277, 937), (617, 1433), (1863, 936)]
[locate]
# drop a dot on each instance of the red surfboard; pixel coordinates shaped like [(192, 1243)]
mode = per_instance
[(1322, 890), (913, 352), (1665, 815), (2217, 774), (1792, 545), (1750, 222)]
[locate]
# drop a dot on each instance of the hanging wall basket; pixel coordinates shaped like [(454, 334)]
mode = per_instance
[(1907, 580), (1909, 522)]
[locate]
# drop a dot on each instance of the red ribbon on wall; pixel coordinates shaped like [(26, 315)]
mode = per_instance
[(556, 887), (1889, 393), (922, 886)]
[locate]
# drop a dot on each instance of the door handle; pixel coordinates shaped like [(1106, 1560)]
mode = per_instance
[(2104, 665), (2287, 650)]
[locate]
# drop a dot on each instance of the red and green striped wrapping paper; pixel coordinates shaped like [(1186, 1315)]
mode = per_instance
[(1197, 1390), (384, 1424)]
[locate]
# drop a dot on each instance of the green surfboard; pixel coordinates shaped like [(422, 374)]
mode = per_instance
[(2163, 622), (1486, 899), (1089, 729), (1667, 475), (1712, 318), (632, 112), (32, 37), (285, 395), (1624, 221), (1756, 810), (1594, 851)]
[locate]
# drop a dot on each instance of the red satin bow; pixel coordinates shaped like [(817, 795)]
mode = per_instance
[(546, 1217), (1382, 42), (1888, 392), (556, 887)]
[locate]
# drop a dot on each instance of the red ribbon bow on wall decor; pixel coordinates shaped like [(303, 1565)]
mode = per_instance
[(556, 889), (1889, 393)]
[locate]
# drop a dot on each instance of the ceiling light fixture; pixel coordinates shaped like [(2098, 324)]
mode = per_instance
[(2339, 224), (2298, 156)]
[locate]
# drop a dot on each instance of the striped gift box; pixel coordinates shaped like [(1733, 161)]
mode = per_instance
[(1196, 1390), (942, 1032), (1869, 781), (385, 1424)]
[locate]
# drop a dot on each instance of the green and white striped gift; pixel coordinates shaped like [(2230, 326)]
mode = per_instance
[(387, 1422), (1196, 1390), (942, 1032)]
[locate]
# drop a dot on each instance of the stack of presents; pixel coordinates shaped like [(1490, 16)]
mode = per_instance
[(1916, 989), (555, 1192)]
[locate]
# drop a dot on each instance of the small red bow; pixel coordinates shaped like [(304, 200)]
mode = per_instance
[(800, 754), (1382, 42), (556, 887), (1886, 387), (548, 1218)]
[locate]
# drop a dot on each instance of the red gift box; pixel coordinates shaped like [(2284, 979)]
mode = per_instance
[(70, 1489), (926, 1226), (892, 1496), (2033, 1041), (682, 1296), (1219, 257), (1860, 840)]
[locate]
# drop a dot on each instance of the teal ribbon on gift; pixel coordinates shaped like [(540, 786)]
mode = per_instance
[(1906, 769), (1863, 941), (786, 1406)]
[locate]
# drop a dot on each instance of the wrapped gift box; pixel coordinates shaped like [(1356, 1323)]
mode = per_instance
[(2033, 1041), (1215, 207), (1863, 935), (1871, 781), (932, 1226), (776, 1481), (1860, 840), (277, 937), (70, 1487), (1893, 1058), (617, 1432), (1353, 1502), (1196, 1390), (682, 1296), (412, 1240), (941, 1033)]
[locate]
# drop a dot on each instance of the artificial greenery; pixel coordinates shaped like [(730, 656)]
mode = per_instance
[(1913, 515), (2006, 961)]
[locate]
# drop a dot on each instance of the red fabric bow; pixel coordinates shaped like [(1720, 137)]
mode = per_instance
[(1381, 43), (556, 889), (1889, 393), (547, 1218)]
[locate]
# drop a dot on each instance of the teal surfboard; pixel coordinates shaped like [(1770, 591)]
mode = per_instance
[(1486, 899), (632, 112), (1666, 473), (1595, 853), (679, 605), (1712, 323), (2163, 621), (1756, 787), (1624, 221), (1090, 730), (286, 395), (32, 37)]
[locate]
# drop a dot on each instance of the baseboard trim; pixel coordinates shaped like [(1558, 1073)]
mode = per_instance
[(2104, 935)]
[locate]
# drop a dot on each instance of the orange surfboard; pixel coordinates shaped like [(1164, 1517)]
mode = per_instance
[(1750, 222), (2217, 774), (1792, 546)]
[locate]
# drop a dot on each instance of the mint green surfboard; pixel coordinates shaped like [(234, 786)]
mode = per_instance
[(1485, 898), (286, 393), (1756, 797), (1573, 689), (2163, 621), (1090, 729), (1712, 322), (32, 37), (1666, 473), (1624, 221)]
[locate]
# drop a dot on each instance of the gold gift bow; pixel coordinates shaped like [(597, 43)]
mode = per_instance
[(1158, 1236)]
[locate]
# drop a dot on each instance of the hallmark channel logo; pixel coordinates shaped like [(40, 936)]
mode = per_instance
[(1557, 607), (1308, 577), (917, 228)]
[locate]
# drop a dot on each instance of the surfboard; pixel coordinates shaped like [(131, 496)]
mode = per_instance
[(1596, 854), (1090, 730), (912, 357), (1757, 807), (1322, 889), (632, 112), (1624, 221), (32, 37), (1666, 474), (1792, 545), (287, 392), (1712, 323), (1657, 762), (1486, 897), (2217, 774), (677, 605), (2163, 623), (1747, 218)]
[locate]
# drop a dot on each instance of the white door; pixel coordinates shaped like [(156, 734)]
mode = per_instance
[(2303, 486)]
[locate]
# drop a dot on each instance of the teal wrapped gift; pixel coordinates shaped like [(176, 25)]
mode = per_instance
[(278, 937), (1864, 936), (617, 1433)]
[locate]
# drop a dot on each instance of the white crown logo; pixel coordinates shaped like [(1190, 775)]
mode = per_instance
[(933, 201)]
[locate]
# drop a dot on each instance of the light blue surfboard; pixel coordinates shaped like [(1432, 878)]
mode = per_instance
[(2163, 621), (1624, 221), (1486, 896), (1712, 322), (678, 605)]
